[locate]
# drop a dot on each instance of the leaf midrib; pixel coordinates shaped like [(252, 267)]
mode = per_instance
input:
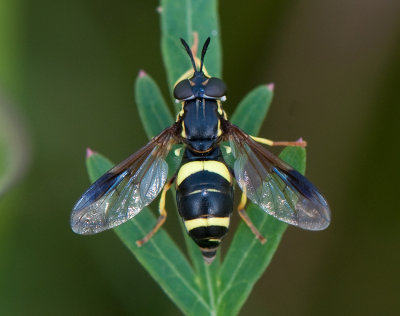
[(210, 292), (239, 265)]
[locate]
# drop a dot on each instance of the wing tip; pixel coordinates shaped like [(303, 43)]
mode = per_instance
[(315, 218), (81, 228)]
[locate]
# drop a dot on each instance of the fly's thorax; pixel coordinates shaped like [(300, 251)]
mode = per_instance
[(201, 123)]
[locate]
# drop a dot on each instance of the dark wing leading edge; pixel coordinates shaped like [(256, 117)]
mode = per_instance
[(125, 190), (276, 187)]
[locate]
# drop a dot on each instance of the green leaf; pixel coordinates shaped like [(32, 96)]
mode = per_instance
[(206, 274), (179, 19), (296, 157), (96, 164), (247, 258), (159, 256), (250, 113), (155, 117), (207, 289), (154, 114), (153, 110), (252, 110)]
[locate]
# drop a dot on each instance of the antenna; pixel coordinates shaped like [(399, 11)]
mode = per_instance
[(189, 51), (203, 52)]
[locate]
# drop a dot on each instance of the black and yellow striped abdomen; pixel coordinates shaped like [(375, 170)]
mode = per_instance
[(205, 201)]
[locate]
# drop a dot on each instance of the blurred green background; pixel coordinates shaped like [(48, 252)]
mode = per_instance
[(67, 68)]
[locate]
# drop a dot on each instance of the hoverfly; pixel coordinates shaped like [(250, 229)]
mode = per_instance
[(204, 181)]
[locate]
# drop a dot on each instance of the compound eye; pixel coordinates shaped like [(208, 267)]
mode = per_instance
[(183, 90), (215, 88)]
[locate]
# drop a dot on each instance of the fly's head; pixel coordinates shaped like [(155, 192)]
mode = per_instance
[(199, 85)]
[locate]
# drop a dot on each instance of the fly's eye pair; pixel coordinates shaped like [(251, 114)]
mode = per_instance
[(213, 88)]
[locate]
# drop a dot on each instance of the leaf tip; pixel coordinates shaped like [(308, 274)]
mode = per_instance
[(89, 153), (142, 73), (271, 86), (302, 142)]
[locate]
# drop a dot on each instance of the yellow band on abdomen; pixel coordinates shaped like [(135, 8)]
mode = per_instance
[(203, 165), (205, 222)]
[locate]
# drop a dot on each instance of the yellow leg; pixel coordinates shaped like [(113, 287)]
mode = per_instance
[(247, 220), (299, 143), (163, 214)]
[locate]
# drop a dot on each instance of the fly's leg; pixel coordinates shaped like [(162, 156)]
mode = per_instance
[(300, 142), (163, 214), (247, 220)]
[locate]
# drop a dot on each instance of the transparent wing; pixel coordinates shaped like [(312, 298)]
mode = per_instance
[(276, 187), (125, 190)]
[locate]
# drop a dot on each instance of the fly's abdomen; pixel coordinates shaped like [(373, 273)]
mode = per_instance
[(205, 202)]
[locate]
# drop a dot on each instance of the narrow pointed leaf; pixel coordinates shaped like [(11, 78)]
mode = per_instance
[(160, 256), (153, 110), (206, 274), (96, 164), (252, 110), (179, 19), (247, 258), (154, 114)]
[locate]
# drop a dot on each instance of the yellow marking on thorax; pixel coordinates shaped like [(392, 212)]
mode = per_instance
[(203, 165), (228, 149), (219, 130), (220, 111), (183, 133), (181, 112), (177, 151), (205, 222)]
